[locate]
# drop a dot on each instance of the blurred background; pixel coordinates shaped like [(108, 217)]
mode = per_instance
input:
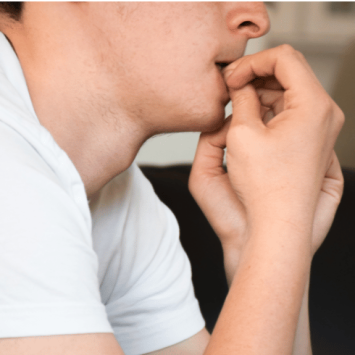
[(325, 33)]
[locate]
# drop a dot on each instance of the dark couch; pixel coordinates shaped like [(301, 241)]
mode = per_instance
[(332, 290)]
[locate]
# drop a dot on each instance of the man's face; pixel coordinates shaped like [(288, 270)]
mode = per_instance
[(163, 57)]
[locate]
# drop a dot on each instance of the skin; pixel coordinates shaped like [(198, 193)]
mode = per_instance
[(252, 106), (102, 81), (113, 87)]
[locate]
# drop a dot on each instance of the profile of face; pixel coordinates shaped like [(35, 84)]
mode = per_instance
[(167, 57)]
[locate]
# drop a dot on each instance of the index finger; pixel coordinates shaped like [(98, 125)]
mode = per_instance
[(285, 63)]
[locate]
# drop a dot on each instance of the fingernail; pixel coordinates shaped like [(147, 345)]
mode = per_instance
[(227, 73)]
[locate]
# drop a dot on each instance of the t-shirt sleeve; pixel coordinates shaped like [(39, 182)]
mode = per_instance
[(150, 302), (48, 268)]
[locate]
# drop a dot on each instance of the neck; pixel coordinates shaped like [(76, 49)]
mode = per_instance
[(77, 103)]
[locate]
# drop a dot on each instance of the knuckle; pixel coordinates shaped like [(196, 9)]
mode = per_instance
[(300, 56), (242, 99), (243, 96), (332, 112), (339, 114), (324, 106), (336, 113), (286, 49), (328, 103)]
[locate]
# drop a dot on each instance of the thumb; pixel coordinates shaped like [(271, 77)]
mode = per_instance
[(246, 106), (334, 180)]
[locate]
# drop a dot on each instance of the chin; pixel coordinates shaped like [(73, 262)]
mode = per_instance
[(200, 118), (211, 121), (213, 125)]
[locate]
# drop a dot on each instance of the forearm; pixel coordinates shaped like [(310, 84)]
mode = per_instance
[(262, 308), (302, 344)]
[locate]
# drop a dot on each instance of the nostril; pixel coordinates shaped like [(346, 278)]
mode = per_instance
[(245, 24), (251, 26)]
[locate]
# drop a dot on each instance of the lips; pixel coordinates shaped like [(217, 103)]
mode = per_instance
[(223, 87), (221, 65)]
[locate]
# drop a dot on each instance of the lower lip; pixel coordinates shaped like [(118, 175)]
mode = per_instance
[(226, 97)]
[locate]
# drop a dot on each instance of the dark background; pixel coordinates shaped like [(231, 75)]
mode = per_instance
[(332, 287)]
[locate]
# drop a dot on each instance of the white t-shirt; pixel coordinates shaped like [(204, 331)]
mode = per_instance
[(70, 268)]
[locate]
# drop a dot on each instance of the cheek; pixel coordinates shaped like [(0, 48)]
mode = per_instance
[(180, 100), (207, 100), (179, 89)]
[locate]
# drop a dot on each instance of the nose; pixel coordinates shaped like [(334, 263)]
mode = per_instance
[(248, 18)]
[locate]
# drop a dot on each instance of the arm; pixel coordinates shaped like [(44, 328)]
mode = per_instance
[(302, 344), (195, 345), (228, 214), (261, 310), (78, 344), (280, 305)]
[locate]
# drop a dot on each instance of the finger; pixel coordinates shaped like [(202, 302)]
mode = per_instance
[(210, 151), (267, 116), (267, 83), (246, 106), (333, 183), (283, 62), (273, 99), (334, 170), (264, 110)]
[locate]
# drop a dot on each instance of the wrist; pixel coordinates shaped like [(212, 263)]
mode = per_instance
[(294, 207), (270, 231), (297, 218), (276, 242), (231, 257)]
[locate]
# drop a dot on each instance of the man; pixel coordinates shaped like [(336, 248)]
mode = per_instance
[(83, 85)]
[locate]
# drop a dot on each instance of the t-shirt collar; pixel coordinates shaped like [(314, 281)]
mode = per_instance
[(11, 67)]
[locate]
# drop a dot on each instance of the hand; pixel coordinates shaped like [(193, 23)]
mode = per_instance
[(210, 186), (264, 154), (277, 168), (272, 103)]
